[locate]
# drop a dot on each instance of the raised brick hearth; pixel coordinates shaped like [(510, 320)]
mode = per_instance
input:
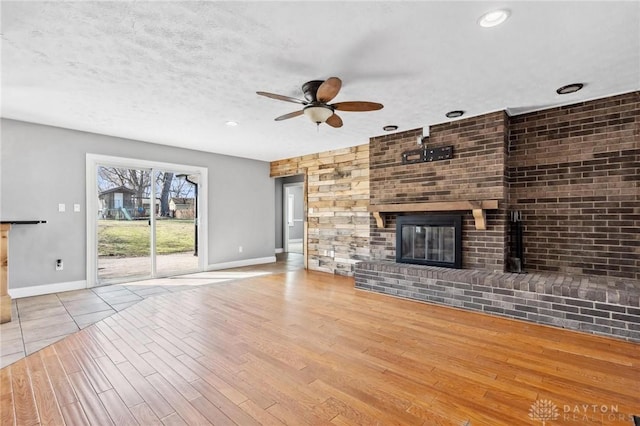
[(597, 305)]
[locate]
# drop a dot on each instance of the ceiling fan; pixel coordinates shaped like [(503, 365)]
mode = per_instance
[(318, 94)]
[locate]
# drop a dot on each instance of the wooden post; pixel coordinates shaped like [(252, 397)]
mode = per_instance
[(5, 299)]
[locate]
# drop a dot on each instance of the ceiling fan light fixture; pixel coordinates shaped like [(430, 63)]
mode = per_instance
[(493, 18), (231, 123), (390, 128), (318, 113), (570, 88), (318, 94)]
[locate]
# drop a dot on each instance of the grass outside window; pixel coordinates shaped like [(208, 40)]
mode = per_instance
[(125, 238)]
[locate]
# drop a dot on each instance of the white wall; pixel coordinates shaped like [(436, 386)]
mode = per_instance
[(42, 166)]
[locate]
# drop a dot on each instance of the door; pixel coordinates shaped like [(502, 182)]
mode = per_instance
[(293, 218), (123, 224), (176, 226), (149, 219), (118, 200)]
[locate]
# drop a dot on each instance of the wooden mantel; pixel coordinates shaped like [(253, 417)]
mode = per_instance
[(478, 208)]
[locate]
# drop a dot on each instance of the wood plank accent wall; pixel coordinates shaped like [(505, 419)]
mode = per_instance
[(477, 171), (575, 175), (337, 199)]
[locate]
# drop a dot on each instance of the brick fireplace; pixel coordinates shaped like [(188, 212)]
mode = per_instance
[(477, 172), (572, 173)]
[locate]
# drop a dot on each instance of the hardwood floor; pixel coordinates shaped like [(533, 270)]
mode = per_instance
[(307, 348), (39, 321)]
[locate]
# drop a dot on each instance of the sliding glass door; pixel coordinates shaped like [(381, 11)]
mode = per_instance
[(124, 224), (176, 222), (147, 223)]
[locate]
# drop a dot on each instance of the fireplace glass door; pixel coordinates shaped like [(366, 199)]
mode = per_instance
[(434, 243), (429, 240)]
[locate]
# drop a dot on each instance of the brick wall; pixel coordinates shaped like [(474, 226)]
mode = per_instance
[(477, 172), (574, 173), (337, 199)]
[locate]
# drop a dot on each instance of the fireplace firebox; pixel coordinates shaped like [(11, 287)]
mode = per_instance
[(434, 240)]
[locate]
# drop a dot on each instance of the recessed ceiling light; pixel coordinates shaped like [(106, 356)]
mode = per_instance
[(570, 88), (390, 128), (231, 123), (493, 18), (454, 114)]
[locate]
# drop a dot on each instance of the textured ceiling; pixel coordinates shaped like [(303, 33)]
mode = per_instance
[(174, 72)]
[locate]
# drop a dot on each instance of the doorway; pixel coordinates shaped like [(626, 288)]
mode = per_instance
[(148, 222), (293, 217)]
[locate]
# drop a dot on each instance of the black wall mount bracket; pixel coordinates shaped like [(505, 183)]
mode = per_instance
[(425, 155)]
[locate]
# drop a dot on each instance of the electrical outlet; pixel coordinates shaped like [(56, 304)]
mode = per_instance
[(240, 249), (61, 208), (76, 208), (59, 265)]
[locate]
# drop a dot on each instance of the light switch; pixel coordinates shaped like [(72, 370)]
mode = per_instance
[(76, 208), (61, 208)]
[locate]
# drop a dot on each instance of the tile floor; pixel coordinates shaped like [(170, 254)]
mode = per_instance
[(39, 321)]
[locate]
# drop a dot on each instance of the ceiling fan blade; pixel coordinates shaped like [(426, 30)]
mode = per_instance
[(290, 115), (329, 89), (357, 106), (334, 121), (282, 98)]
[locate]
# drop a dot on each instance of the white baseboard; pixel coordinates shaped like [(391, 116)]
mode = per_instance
[(295, 240), (38, 290), (239, 263), (279, 250)]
